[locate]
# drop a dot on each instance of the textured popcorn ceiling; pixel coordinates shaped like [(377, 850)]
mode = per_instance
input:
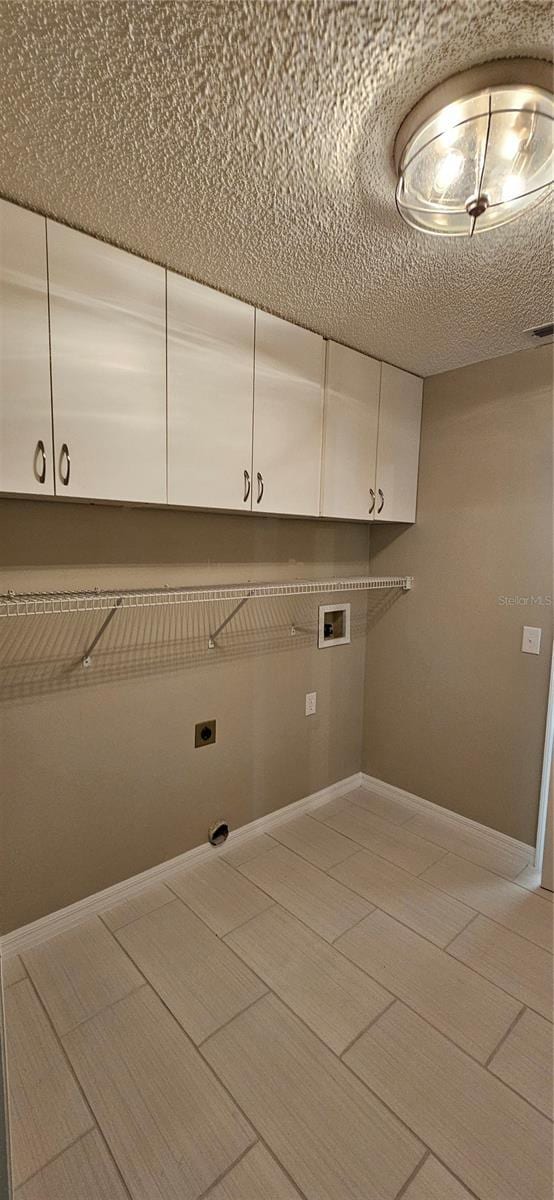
[(248, 144)]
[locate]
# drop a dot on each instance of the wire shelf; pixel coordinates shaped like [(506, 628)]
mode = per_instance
[(33, 604)]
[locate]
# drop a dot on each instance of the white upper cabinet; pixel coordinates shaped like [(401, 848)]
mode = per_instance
[(121, 381), (288, 414), (210, 380), (107, 312), (398, 445), (351, 415), (25, 408)]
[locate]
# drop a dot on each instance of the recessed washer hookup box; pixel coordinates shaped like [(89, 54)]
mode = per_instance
[(334, 625)]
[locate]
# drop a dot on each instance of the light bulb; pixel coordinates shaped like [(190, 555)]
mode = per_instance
[(510, 144), (448, 170), (511, 187), (513, 142)]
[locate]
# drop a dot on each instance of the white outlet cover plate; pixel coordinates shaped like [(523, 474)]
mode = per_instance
[(311, 703), (531, 640)]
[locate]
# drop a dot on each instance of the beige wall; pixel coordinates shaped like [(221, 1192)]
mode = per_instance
[(100, 776), (454, 711)]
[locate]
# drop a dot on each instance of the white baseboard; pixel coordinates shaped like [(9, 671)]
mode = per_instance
[(421, 805), (66, 918)]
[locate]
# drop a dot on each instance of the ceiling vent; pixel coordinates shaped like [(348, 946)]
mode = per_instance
[(542, 333)]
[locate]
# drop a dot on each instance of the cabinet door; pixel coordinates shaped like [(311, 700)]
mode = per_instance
[(288, 414), (25, 406), (107, 312), (350, 420), (210, 380), (398, 445)]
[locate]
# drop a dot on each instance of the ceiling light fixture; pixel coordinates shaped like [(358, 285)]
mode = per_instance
[(477, 151)]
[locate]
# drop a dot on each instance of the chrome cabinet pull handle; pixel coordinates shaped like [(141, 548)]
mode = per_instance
[(382, 504), (41, 475), (372, 506), (64, 453), (260, 479), (246, 486)]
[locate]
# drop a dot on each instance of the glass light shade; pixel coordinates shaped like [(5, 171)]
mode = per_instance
[(477, 162)]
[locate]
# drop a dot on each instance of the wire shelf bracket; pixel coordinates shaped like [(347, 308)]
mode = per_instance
[(86, 660), (212, 640)]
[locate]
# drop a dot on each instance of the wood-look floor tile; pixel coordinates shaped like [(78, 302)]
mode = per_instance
[(521, 968), (314, 841), (84, 1172), (256, 1177), (392, 842), (530, 878), (487, 851), (462, 1005), (250, 847), (80, 972), (322, 903), (434, 1182), (488, 1137), (524, 1061), (136, 906), (170, 1126), (390, 808), (494, 897), (335, 998), (333, 1137), (219, 895), (12, 969), (202, 982), (410, 900), (47, 1111)]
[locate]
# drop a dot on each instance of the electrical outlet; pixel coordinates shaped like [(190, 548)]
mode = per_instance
[(204, 733), (311, 703)]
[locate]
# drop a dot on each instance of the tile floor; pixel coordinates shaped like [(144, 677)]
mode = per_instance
[(355, 1007)]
